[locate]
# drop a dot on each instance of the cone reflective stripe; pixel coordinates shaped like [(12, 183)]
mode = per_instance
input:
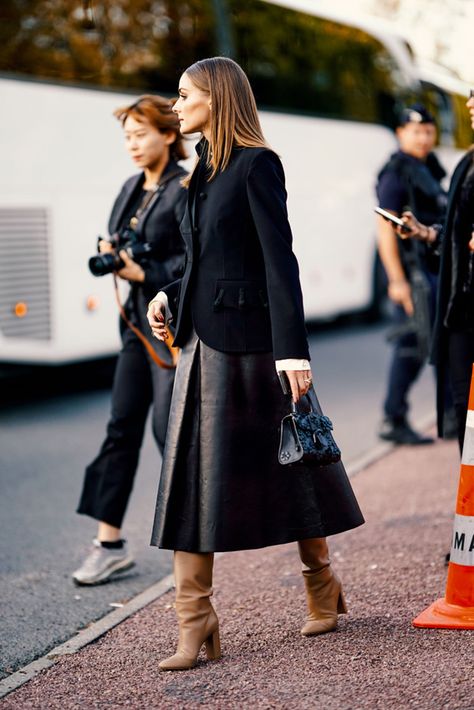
[(456, 609)]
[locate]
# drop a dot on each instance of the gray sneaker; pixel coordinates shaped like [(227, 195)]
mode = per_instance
[(103, 563)]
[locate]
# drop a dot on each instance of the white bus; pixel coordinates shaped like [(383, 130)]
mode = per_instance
[(327, 89)]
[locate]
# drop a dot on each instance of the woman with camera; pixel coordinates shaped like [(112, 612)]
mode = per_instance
[(146, 249), (239, 318)]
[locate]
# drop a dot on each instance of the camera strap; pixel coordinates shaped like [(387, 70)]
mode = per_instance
[(150, 198), (174, 352)]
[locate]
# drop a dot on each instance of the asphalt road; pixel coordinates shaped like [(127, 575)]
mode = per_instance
[(51, 425)]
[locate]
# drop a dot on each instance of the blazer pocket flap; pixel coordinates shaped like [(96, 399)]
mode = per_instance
[(243, 295)]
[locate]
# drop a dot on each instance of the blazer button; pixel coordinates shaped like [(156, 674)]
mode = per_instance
[(195, 230), (202, 196)]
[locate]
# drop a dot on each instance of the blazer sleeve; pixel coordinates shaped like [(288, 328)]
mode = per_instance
[(267, 198), (172, 291), (160, 273)]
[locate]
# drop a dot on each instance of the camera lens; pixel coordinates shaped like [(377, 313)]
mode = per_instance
[(102, 264)]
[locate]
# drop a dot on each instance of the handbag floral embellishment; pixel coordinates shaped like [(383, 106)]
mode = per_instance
[(307, 436)]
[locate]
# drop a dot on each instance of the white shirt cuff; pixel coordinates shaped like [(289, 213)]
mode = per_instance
[(292, 364), (161, 296)]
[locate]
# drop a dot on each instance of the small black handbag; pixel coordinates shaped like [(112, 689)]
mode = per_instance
[(305, 436)]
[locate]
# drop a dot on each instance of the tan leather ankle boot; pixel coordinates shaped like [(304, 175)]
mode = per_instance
[(323, 588), (198, 623)]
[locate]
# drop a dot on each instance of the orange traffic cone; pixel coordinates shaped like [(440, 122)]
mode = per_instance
[(456, 610)]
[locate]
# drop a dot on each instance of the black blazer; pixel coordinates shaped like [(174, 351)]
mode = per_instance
[(240, 289), (158, 226), (447, 288)]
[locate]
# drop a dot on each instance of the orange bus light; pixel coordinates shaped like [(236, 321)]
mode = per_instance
[(20, 309), (92, 303)]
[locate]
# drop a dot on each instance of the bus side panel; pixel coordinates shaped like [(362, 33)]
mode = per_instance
[(65, 157), (331, 169)]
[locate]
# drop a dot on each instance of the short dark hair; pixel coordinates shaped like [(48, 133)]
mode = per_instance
[(158, 111)]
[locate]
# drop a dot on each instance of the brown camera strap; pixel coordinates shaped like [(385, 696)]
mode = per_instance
[(174, 352), (150, 198)]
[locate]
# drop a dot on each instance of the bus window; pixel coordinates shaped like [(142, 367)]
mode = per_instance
[(439, 103), (298, 62), (462, 126), (137, 44), (449, 109), (295, 61)]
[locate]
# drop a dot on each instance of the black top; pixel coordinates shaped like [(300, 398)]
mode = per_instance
[(240, 289), (136, 199), (158, 225), (406, 181)]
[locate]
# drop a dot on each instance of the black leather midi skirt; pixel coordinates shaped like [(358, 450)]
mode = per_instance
[(222, 487)]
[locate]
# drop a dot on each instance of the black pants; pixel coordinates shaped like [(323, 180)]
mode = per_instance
[(404, 371), (405, 367), (138, 384), (461, 359)]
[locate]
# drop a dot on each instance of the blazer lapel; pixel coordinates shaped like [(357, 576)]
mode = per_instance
[(186, 228), (189, 219), (121, 206)]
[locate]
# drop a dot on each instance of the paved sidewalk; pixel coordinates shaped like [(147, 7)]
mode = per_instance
[(392, 568)]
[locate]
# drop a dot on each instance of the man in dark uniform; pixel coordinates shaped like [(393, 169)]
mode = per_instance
[(410, 179), (453, 333)]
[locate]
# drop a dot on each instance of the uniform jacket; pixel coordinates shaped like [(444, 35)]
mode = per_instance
[(240, 289), (449, 283), (158, 226), (407, 182)]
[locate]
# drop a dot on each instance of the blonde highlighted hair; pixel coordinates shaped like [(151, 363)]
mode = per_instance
[(234, 116)]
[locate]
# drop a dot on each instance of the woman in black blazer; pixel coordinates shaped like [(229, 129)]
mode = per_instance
[(150, 205), (238, 313)]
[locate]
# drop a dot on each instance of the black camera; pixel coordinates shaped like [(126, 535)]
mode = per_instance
[(102, 264)]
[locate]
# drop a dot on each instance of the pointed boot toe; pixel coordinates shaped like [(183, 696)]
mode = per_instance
[(313, 627), (178, 662), (182, 662)]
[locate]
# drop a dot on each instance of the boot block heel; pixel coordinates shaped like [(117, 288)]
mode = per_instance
[(341, 604), (213, 646)]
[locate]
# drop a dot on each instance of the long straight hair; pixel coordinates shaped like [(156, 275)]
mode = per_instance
[(234, 116)]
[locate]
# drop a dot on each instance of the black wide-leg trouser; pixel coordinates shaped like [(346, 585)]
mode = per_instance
[(138, 384)]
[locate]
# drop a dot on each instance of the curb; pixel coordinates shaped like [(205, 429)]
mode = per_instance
[(99, 628), (377, 452), (86, 636)]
